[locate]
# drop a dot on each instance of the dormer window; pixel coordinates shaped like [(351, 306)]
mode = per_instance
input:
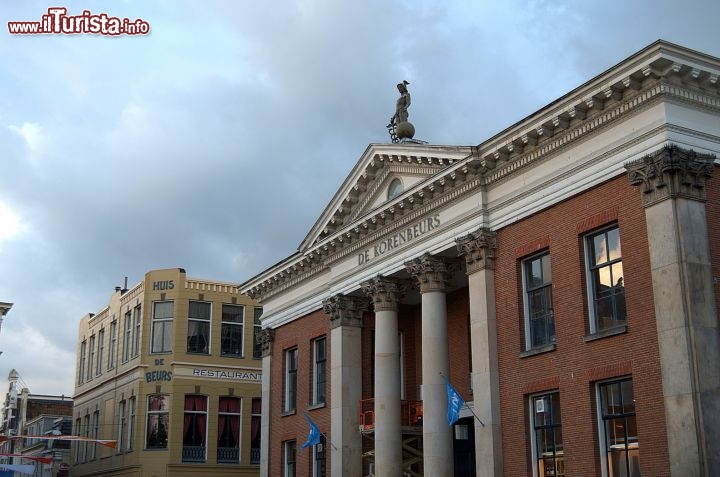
[(395, 189)]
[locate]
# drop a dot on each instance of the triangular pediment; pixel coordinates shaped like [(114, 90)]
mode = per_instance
[(367, 187)]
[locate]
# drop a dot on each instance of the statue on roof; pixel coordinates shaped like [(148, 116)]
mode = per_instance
[(399, 126)]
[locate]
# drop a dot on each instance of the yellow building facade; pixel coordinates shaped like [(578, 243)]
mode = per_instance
[(170, 370)]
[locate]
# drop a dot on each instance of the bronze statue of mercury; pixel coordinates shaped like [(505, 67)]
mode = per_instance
[(401, 107)]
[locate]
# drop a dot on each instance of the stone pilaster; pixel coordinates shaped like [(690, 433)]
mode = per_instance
[(672, 184), (265, 338), (433, 274), (345, 314), (386, 295), (478, 249)]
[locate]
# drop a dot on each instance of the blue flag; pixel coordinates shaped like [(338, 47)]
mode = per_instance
[(313, 435), (455, 403)]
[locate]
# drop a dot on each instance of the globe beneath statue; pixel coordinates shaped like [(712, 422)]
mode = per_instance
[(405, 130)]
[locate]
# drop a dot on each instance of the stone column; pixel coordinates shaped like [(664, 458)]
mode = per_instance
[(478, 248), (673, 193), (433, 275), (265, 337), (345, 314), (386, 294)]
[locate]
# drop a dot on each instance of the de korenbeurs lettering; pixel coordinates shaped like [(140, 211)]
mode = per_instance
[(398, 239)]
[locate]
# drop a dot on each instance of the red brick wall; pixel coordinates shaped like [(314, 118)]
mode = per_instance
[(576, 365), (300, 334)]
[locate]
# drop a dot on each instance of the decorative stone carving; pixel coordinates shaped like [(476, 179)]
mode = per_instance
[(671, 172), (345, 310), (385, 293), (478, 248), (265, 339), (432, 273)]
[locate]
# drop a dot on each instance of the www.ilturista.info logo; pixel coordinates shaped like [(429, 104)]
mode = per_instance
[(58, 22)]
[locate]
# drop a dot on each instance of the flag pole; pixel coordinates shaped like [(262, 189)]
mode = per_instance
[(464, 403), (328, 440)]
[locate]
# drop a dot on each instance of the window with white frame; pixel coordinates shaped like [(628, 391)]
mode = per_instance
[(255, 421), (127, 337), (113, 344), (619, 439), (158, 420), (290, 388), (546, 436), (257, 328), (198, 334), (121, 427), (91, 358), (229, 416), (194, 428), (101, 351), (77, 444), (233, 317), (606, 287), (319, 376), (288, 457), (537, 288), (86, 434), (162, 320), (137, 319), (81, 368)]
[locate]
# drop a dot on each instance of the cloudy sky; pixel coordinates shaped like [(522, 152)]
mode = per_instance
[(214, 142)]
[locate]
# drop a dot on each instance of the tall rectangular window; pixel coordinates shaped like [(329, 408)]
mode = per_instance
[(257, 328), (137, 318), (548, 453), (101, 352), (95, 432), (539, 316), (81, 368), (194, 428), (228, 446), (127, 337), (290, 389), (288, 457), (318, 459), (78, 444), (113, 344), (319, 376), (86, 433), (619, 438), (606, 288), (158, 420), (255, 420), (198, 334), (121, 427), (91, 358), (233, 317), (162, 320), (132, 405)]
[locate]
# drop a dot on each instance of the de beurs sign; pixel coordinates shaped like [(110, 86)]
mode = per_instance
[(399, 239)]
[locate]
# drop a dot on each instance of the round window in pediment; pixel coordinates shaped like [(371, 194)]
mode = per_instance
[(395, 189)]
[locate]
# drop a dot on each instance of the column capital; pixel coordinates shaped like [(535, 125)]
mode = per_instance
[(345, 310), (265, 339), (432, 273), (671, 172), (385, 293), (478, 248)]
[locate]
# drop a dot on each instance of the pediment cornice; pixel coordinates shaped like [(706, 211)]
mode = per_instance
[(660, 72)]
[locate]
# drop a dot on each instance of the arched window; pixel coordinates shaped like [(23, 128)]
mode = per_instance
[(395, 189)]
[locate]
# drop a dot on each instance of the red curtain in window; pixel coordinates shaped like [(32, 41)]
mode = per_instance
[(255, 421), (230, 406), (197, 404)]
